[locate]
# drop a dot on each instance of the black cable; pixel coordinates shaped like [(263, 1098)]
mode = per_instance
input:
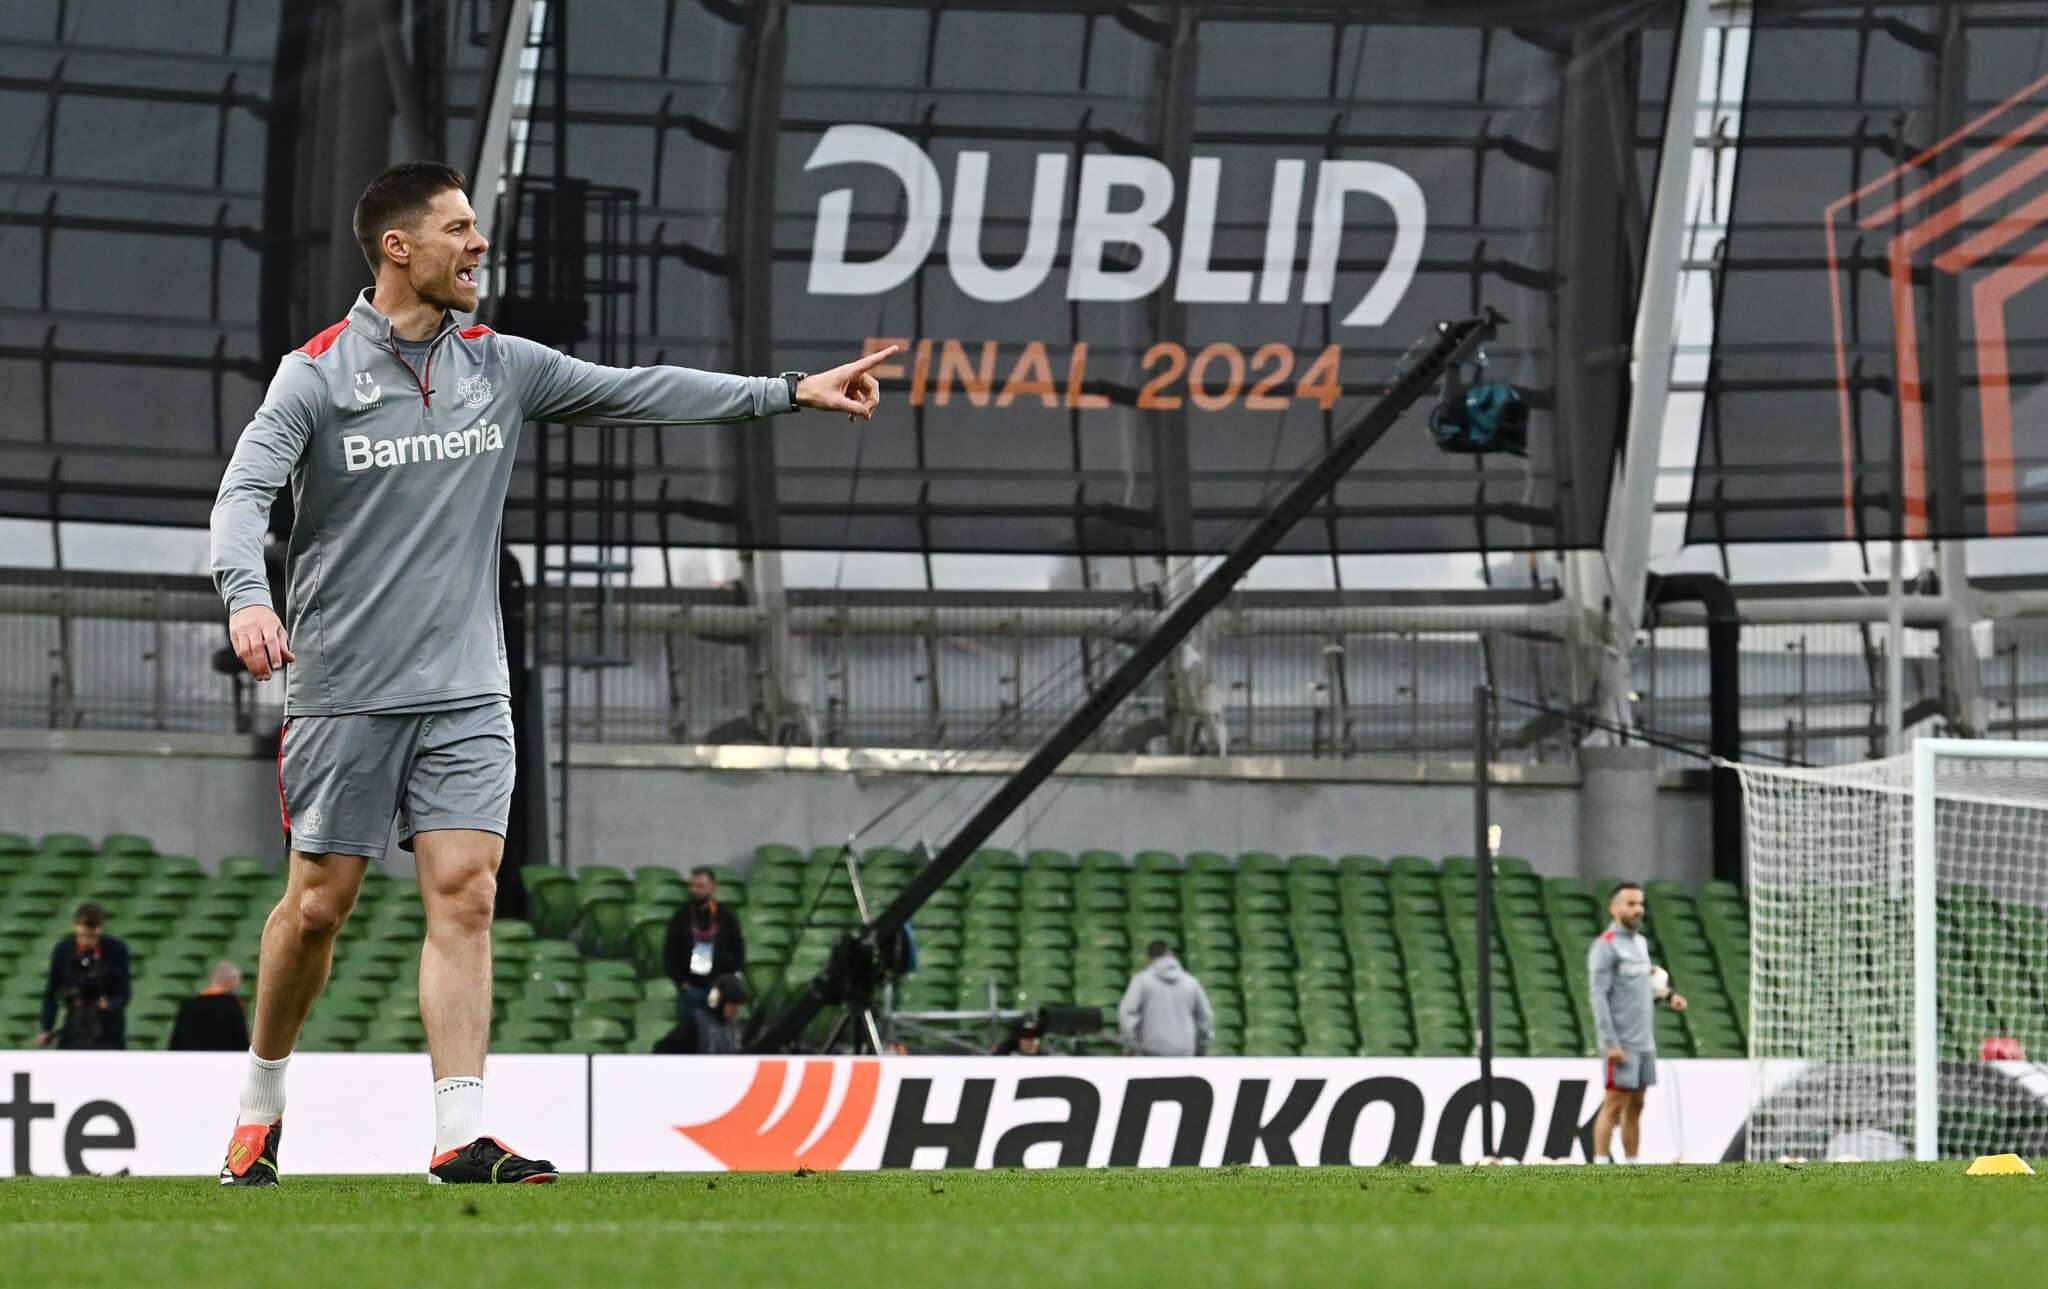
[(1040, 697), (1667, 744), (805, 924)]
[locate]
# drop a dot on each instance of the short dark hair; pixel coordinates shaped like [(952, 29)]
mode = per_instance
[(705, 870), (399, 198), (1157, 949), (90, 916), (1619, 887)]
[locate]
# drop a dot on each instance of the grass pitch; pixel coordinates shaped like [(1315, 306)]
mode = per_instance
[(1752, 1225)]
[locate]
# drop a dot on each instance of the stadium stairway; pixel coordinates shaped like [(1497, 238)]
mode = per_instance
[(1301, 954)]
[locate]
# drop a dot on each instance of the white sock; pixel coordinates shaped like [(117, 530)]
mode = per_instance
[(263, 1090), (458, 1113), (1602, 1159)]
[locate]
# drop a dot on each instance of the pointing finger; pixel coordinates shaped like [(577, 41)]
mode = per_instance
[(874, 359)]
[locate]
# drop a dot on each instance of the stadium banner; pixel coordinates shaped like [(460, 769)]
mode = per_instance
[(1141, 270), (169, 1113), (165, 1113), (1142, 266), (769, 1114), (1881, 346)]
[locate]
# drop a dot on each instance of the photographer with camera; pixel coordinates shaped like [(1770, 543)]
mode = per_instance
[(89, 978)]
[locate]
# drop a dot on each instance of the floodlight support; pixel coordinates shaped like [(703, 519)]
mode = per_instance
[(853, 968)]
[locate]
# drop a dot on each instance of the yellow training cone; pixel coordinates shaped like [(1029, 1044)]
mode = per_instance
[(1992, 1165)]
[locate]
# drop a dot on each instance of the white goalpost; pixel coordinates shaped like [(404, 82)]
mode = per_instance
[(1899, 954)]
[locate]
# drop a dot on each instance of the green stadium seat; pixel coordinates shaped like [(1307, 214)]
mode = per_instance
[(62, 870), (551, 902), (649, 938), (389, 1035), (598, 1034), (601, 874), (327, 1033), (604, 929), (247, 868), (654, 877), (1156, 861)]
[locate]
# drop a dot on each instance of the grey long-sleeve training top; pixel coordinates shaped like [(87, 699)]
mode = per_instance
[(1618, 978), (398, 483)]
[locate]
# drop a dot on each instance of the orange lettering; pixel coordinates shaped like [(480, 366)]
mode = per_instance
[(919, 370), (1320, 382), (1077, 375), (974, 383), (1261, 399), (1233, 363), (875, 345), (1175, 361), (1031, 375)]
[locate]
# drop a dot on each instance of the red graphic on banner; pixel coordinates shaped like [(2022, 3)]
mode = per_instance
[(743, 1140), (1919, 221)]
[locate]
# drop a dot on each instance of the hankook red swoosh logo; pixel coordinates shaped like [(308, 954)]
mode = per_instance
[(743, 1140)]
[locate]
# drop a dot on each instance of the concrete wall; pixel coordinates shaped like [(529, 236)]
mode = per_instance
[(192, 794), (210, 797)]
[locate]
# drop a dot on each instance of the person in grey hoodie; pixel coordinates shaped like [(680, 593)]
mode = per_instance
[(1165, 1011)]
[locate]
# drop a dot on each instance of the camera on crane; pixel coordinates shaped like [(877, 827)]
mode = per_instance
[(1478, 416)]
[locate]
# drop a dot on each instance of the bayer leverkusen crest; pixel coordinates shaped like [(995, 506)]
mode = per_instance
[(474, 391)]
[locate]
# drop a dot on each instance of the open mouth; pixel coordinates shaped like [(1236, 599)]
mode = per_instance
[(466, 277)]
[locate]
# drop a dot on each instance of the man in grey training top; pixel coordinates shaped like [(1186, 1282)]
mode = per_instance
[(1624, 996), (396, 429)]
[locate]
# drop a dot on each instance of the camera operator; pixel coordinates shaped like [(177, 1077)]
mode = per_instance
[(713, 1029), (89, 978)]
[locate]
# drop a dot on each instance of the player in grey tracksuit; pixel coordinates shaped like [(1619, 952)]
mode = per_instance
[(1623, 998), (396, 429)]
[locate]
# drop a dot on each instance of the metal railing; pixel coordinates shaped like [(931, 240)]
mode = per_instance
[(1345, 675)]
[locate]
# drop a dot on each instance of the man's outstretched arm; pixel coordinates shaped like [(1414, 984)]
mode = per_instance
[(556, 387)]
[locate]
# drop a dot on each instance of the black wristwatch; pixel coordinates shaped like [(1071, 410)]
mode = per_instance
[(794, 378)]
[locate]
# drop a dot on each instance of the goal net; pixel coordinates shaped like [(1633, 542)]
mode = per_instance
[(1899, 954)]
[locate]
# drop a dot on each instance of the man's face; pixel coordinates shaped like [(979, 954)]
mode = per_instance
[(443, 251), (702, 887), (88, 936), (1028, 1044), (1627, 908), (731, 1010)]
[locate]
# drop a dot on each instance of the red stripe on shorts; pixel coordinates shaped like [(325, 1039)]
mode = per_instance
[(1610, 1074), (283, 809)]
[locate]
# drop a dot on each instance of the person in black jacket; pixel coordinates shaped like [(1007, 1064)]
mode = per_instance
[(89, 981), (703, 944), (213, 1020)]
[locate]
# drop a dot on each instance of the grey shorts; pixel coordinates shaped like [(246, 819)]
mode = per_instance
[(1635, 1072), (342, 779)]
